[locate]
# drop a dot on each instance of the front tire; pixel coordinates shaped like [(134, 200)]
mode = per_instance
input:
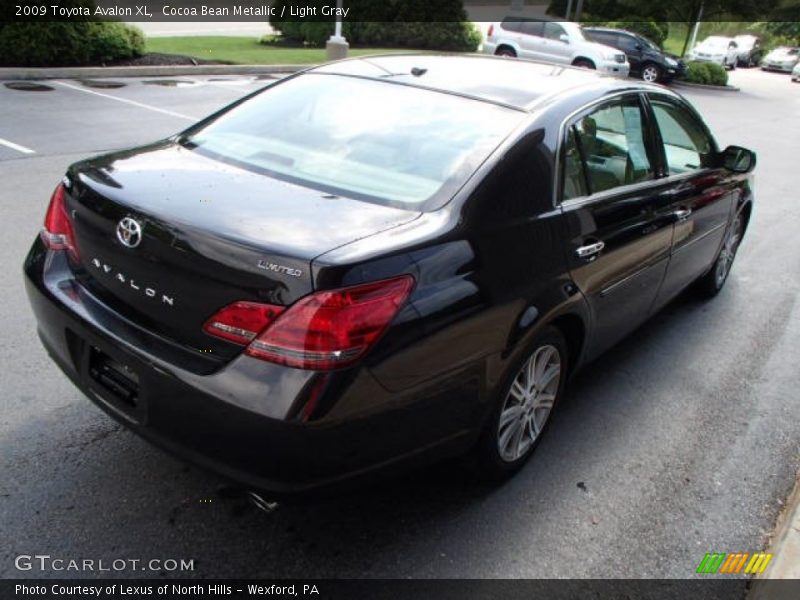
[(710, 284), (523, 406)]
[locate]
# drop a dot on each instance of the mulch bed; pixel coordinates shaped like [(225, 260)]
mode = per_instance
[(156, 59)]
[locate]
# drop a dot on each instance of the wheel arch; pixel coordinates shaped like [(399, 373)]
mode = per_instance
[(506, 46), (747, 211), (580, 58), (573, 329)]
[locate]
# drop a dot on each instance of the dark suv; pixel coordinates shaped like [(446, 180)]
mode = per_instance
[(646, 59)]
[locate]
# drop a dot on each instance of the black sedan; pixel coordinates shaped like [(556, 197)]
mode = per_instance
[(647, 60), (380, 262)]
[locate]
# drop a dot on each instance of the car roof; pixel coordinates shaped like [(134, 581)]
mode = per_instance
[(608, 30), (517, 83)]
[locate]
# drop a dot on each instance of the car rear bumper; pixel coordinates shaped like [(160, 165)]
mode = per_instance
[(243, 421)]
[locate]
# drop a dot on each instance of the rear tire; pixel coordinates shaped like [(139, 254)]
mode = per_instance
[(651, 73), (584, 63), (506, 51), (523, 406), (710, 284)]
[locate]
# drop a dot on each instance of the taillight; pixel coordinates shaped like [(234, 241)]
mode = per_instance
[(326, 330), (490, 32), (241, 322), (57, 232)]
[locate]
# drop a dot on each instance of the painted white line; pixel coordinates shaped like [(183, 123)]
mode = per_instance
[(126, 101), (17, 147)]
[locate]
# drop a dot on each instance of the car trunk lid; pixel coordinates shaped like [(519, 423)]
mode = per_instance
[(209, 234)]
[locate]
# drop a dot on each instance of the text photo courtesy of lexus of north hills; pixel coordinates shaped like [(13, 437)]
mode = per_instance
[(356, 300)]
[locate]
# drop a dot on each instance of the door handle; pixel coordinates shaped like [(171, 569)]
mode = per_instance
[(682, 214), (590, 249)]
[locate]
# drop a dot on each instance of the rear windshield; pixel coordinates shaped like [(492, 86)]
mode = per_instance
[(390, 144)]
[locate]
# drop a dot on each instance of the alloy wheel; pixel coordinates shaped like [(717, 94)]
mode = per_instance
[(650, 74), (529, 402)]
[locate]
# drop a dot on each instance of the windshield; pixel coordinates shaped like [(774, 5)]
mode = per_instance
[(381, 142), (716, 42)]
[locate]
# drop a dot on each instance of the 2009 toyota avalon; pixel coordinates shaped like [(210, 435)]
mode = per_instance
[(380, 262)]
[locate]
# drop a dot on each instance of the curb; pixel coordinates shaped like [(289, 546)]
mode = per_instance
[(703, 86), (785, 548), (143, 71)]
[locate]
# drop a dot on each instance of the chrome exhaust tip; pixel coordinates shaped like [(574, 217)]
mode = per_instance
[(260, 502)]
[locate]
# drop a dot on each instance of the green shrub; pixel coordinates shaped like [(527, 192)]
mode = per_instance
[(696, 72), (437, 25), (68, 43), (706, 73), (717, 75), (114, 41)]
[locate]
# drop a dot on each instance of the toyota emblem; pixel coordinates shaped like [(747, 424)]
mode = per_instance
[(129, 232)]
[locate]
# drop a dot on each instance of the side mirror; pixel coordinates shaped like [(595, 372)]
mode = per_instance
[(564, 38), (738, 159), (639, 47)]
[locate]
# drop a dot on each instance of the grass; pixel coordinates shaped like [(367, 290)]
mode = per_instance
[(243, 50)]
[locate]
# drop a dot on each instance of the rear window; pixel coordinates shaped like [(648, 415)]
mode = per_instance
[(385, 143)]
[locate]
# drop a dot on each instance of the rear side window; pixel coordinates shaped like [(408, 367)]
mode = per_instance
[(515, 26), (574, 185), (610, 141), (687, 146), (603, 37), (533, 28)]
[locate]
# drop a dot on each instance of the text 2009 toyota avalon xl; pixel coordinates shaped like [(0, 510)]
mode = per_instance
[(380, 261)]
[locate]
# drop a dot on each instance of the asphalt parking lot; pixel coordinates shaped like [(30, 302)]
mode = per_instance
[(682, 440)]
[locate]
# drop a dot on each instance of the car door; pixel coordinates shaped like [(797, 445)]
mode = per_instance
[(531, 43), (633, 48), (555, 48), (701, 195), (617, 245)]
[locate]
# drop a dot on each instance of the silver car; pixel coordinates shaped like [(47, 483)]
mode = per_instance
[(717, 49), (553, 41), (783, 58), (796, 72)]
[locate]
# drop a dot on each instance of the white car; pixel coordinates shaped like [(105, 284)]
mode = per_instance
[(783, 58), (717, 49), (553, 41), (796, 72)]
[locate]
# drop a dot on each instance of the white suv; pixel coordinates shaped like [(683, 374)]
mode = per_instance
[(553, 41)]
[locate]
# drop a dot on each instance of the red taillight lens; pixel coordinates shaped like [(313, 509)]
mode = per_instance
[(331, 329), (57, 233), (490, 32), (326, 330), (241, 322)]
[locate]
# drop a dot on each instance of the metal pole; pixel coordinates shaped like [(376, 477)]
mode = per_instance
[(569, 10), (695, 29), (578, 11), (338, 31), (336, 47)]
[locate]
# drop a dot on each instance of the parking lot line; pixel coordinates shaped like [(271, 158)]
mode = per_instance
[(126, 101), (16, 147)]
